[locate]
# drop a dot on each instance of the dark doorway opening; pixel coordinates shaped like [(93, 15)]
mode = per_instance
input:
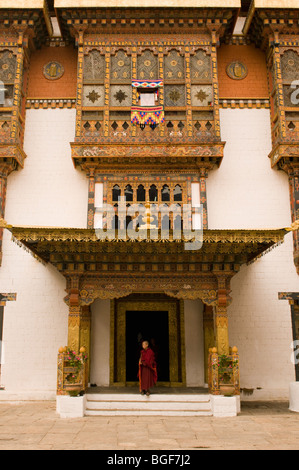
[(153, 327)]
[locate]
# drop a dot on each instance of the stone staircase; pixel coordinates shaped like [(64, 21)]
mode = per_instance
[(132, 404)]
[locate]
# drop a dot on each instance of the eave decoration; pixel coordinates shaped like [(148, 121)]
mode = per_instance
[(74, 246)]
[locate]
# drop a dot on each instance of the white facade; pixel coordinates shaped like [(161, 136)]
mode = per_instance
[(47, 192), (246, 193), (243, 193)]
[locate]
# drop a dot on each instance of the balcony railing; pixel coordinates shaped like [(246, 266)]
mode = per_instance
[(171, 130)]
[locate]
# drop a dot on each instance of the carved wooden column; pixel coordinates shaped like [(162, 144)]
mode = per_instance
[(188, 93), (107, 92), (79, 320), (91, 207), (209, 337), (221, 318), (77, 316), (294, 199), (80, 41), (215, 44), (161, 91), (203, 196), (134, 90)]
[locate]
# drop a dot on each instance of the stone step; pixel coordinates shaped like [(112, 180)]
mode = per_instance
[(190, 398), (117, 412), (154, 405)]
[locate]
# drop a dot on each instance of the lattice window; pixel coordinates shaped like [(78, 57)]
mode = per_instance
[(201, 95), (175, 95), (147, 191), (120, 68), (93, 95), (201, 67), (147, 66), (116, 192), (290, 95), (164, 198), (290, 66), (94, 67), (8, 66), (174, 68), (121, 95), (6, 95)]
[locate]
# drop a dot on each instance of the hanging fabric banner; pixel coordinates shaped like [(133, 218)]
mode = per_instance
[(142, 116), (147, 83)]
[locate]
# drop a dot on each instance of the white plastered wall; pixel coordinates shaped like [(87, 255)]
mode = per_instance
[(194, 343), (100, 343), (246, 193), (47, 192)]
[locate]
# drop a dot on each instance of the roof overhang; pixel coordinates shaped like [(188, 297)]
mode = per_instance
[(81, 250), (34, 12), (96, 17), (272, 6)]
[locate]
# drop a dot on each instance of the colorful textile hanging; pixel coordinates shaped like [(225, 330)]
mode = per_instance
[(147, 83), (143, 116)]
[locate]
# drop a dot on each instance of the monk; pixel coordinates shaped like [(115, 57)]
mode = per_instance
[(147, 369)]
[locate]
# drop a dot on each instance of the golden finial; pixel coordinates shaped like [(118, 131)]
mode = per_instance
[(4, 224), (147, 219), (294, 226)]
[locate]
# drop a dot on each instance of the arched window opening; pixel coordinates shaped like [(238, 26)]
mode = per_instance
[(177, 193), (140, 193), (129, 193), (165, 193), (116, 192), (153, 193)]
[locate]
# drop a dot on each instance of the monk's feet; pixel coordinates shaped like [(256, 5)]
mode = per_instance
[(143, 392), (148, 393)]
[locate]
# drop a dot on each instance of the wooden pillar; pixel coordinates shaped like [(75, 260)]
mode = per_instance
[(78, 316), (221, 330), (79, 321), (79, 104), (221, 318), (91, 207), (209, 337), (203, 196), (294, 199)]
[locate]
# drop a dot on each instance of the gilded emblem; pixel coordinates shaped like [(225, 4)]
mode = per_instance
[(53, 70), (236, 70)]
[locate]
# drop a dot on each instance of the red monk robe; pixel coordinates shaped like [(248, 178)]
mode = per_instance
[(147, 369)]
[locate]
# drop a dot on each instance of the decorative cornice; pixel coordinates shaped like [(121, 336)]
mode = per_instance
[(52, 103), (241, 103), (285, 154), (103, 156), (13, 155)]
